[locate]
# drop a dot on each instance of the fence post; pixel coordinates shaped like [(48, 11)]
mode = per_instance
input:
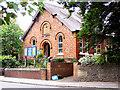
[(34, 61), (25, 61)]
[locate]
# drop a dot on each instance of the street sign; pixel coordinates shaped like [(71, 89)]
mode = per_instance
[(30, 51)]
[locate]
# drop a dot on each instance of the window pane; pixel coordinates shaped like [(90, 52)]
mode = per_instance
[(81, 46), (46, 29), (99, 47), (95, 48), (60, 38), (86, 45), (60, 50), (60, 45), (33, 42)]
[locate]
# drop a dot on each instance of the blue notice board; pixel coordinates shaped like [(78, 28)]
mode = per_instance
[(30, 51)]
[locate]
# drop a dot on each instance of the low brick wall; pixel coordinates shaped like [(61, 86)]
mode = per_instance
[(26, 73), (107, 73), (63, 69), (1, 71)]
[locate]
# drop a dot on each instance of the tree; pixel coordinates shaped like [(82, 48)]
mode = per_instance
[(101, 21), (9, 9), (10, 39)]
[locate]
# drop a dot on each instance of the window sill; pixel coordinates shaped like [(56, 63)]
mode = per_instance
[(97, 54), (60, 54), (83, 53)]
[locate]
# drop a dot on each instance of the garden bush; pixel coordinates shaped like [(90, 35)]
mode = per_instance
[(58, 60), (94, 59), (9, 62), (88, 59)]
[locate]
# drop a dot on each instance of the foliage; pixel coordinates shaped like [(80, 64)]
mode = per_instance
[(88, 59), (94, 59), (30, 62), (22, 62), (58, 60), (10, 39), (41, 55), (67, 60), (9, 62), (43, 62), (100, 21), (74, 60), (9, 9)]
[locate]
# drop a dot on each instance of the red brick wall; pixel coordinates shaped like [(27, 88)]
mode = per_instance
[(63, 69), (1, 71), (27, 73), (69, 43)]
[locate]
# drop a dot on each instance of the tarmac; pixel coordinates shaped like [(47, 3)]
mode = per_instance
[(65, 82)]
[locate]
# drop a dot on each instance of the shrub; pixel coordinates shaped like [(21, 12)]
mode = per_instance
[(9, 62), (22, 62), (88, 59), (40, 55), (43, 62), (30, 62), (58, 60), (94, 59), (74, 60)]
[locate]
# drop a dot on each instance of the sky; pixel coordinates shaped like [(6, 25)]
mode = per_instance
[(25, 21)]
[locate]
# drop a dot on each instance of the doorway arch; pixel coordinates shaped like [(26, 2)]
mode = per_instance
[(47, 49), (44, 44)]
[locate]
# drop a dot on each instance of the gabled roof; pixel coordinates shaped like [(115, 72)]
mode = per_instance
[(73, 22)]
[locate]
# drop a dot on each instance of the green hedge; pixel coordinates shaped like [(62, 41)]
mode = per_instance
[(64, 60)]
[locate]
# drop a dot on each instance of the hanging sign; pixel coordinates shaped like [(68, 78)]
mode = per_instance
[(30, 51)]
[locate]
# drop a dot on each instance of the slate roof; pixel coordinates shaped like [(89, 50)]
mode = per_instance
[(73, 22)]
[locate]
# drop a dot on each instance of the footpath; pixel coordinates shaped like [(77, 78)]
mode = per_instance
[(66, 82)]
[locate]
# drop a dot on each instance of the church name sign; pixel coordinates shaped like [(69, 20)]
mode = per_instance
[(30, 51)]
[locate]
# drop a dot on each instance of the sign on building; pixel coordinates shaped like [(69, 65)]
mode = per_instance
[(30, 51)]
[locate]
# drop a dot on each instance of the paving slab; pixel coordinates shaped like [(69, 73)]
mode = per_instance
[(61, 83)]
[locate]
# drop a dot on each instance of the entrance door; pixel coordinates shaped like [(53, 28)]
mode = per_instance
[(47, 49)]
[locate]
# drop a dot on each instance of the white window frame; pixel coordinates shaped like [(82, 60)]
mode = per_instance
[(95, 49), (60, 53), (81, 53)]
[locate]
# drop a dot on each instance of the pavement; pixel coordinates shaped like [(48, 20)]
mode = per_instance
[(65, 82)]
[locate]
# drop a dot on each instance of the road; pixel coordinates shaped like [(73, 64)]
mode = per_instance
[(18, 85)]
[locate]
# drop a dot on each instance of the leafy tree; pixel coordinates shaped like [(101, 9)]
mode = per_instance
[(9, 9), (10, 39), (101, 21)]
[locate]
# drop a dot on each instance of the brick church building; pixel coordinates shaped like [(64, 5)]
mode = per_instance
[(54, 35)]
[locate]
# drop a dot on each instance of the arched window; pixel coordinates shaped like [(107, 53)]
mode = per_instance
[(33, 42), (60, 44), (45, 27)]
